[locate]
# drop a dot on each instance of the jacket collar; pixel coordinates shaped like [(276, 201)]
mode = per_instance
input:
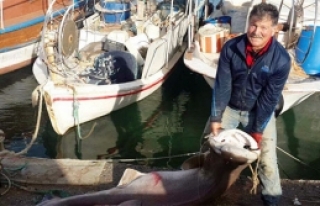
[(241, 45), (251, 56)]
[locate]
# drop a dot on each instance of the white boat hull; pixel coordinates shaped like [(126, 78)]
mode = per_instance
[(72, 98), (69, 105)]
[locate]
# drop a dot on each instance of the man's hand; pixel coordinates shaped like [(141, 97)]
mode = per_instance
[(215, 128), (258, 137)]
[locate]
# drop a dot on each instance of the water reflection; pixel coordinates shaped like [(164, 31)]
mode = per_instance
[(160, 126), (290, 122), (299, 131), (16, 112), (130, 132)]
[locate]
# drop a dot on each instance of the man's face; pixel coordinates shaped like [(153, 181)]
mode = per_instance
[(260, 31)]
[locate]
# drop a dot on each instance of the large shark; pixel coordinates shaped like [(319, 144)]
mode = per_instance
[(204, 178)]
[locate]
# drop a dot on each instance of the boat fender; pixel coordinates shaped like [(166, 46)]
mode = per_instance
[(119, 36), (152, 31), (35, 97)]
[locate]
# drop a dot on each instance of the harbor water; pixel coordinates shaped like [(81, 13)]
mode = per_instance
[(162, 130)]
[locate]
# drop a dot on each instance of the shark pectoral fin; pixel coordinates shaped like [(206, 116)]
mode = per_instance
[(195, 161), (129, 175), (131, 203)]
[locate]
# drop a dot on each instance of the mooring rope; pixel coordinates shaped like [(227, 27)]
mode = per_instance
[(9, 184), (152, 158), (297, 159), (26, 149), (76, 115), (255, 179)]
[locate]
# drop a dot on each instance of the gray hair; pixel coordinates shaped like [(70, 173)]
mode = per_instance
[(263, 9)]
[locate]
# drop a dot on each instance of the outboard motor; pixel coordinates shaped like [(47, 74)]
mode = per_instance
[(112, 67)]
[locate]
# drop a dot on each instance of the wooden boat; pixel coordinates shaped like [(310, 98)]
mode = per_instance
[(119, 57), (20, 28), (202, 57)]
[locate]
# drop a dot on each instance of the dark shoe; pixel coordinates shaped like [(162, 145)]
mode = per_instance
[(269, 200), (264, 204)]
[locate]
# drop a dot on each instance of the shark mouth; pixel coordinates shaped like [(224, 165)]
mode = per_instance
[(235, 145)]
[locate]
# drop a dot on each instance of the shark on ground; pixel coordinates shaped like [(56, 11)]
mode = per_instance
[(203, 178)]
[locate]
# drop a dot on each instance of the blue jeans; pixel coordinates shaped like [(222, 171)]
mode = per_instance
[(268, 168)]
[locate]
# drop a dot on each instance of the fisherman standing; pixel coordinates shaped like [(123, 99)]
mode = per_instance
[(252, 71)]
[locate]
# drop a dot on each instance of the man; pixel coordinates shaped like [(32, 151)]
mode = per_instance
[(252, 71)]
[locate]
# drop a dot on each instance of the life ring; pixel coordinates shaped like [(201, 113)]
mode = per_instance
[(235, 145)]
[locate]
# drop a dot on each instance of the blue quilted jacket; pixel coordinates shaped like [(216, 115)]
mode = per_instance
[(255, 89)]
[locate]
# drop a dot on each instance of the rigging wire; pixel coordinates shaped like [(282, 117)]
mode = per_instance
[(297, 159)]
